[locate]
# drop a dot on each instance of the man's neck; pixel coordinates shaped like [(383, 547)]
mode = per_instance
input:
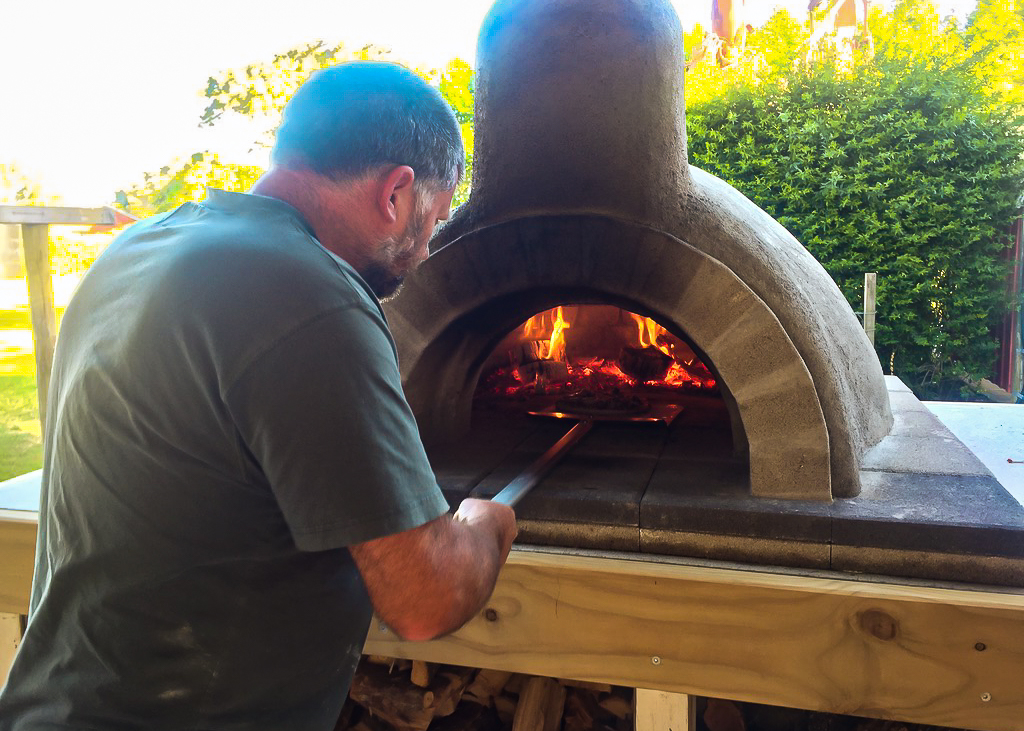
[(332, 209)]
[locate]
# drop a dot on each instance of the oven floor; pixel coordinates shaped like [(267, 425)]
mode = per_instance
[(928, 508)]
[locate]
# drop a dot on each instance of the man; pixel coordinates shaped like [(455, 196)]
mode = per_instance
[(232, 475)]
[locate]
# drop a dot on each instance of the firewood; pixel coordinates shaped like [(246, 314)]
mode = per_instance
[(586, 685), (528, 352), (456, 679), (405, 706), (469, 717), (515, 683), (617, 706), (554, 708), (583, 713), (644, 364), (505, 707), (486, 685), (551, 371), (533, 701), (723, 715), (577, 714), (420, 673)]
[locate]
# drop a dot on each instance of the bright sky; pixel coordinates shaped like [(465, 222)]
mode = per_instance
[(96, 93)]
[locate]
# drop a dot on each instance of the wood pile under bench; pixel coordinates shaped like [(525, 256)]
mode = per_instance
[(402, 695), (390, 694)]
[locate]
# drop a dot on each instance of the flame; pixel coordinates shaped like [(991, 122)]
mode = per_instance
[(543, 337), (649, 334), (556, 345), (534, 327)]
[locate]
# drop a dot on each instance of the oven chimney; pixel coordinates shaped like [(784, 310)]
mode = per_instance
[(579, 108)]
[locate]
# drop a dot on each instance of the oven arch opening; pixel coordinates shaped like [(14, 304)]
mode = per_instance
[(464, 300)]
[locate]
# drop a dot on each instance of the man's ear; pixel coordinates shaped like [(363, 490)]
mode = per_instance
[(395, 196)]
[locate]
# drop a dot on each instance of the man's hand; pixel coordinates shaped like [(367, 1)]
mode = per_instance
[(475, 512), (431, 580)]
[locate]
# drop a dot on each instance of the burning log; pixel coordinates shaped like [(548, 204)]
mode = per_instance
[(550, 371), (644, 364), (532, 362)]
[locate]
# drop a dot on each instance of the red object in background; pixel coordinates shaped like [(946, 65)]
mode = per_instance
[(121, 219), (1008, 368)]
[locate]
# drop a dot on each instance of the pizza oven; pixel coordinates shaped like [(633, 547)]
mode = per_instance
[(741, 411)]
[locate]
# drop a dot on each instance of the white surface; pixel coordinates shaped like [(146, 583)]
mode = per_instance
[(994, 432)]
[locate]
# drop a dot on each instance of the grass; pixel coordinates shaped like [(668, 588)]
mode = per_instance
[(21, 445), (19, 318)]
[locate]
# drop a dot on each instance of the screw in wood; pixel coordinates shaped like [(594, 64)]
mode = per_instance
[(979, 646), (655, 660), (986, 697), (490, 615)]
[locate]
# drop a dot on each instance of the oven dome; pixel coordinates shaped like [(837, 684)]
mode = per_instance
[(582, 191)]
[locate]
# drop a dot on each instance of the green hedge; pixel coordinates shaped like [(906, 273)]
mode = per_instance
[(898, 167)]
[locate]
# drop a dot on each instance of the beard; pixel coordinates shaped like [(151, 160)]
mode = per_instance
[(382, 281), (395, 259)]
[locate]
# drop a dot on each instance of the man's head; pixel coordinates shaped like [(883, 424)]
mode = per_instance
[(351, 118), (371, 154), (395, 256)]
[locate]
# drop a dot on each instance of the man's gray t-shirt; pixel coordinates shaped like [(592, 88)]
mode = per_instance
[(225, 417)]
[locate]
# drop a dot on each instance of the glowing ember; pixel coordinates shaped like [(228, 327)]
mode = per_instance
[(587, 347)]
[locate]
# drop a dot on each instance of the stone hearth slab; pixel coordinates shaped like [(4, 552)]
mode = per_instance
[(712, 497), (950, 514), (928, 508), (600, 481)]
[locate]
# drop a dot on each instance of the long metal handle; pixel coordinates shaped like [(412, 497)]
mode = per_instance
[(528, 478)]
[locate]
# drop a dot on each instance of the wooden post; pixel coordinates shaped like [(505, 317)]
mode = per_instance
[(10, 638), (870, 279), (35, 239), (660, 711)]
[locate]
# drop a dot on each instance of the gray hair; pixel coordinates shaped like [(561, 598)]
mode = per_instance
[(350, 118)]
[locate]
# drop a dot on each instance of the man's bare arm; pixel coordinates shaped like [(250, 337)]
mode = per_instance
[(431, 580)]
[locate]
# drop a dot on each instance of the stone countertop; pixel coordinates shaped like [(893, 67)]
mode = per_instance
[(21, 493), (994, 432)]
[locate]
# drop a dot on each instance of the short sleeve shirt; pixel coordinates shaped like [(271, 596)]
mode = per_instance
[(226, 416)]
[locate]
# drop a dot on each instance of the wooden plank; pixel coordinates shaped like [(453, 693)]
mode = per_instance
[(870, 286), (36, 242), (17, 559), (10, 638), (657, 710), (56, 214), (949, 657)]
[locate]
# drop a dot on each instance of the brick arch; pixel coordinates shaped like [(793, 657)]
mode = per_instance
[(467, 295)]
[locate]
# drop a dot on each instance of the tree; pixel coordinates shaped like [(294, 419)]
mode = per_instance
[(172, 186), (908, 163), (259, 92), (18, 187), (995, 42)]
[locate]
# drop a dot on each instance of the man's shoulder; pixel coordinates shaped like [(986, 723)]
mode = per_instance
[(263, 253)]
